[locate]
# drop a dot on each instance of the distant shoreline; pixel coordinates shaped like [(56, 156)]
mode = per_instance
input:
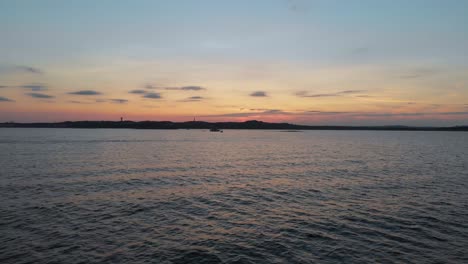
[(221, 125)]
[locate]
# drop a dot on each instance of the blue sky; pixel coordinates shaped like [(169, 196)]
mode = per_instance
[(291, 30)]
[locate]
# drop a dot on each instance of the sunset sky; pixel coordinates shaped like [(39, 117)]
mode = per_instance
[(306, 62)]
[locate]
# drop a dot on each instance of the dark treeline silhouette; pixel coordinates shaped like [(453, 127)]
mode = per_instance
[(254, 124)]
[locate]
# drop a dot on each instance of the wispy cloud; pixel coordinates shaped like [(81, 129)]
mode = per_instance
[(29, 69), (152, 96), (305, 94), (85, 92), (315, 112), (34, 87), (266, 112), (273, 112), (137, 91), (341, 93), (119, 101), (78, 102), (193, 99), (4, 99), (186, 88), (40, 95), (263, 109), (414, 114), (176, 88), (419, 73), (352, 91), (259, 94), (150, 86)]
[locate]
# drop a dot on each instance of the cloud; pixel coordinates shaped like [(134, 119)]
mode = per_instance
[(192, 88), (263, 109), (40, 95), (419, 73), (235, 115), (332, 113), (150, 86), (4, 99), (85, 92), (315, 112), (275, 111), (266, 112), (29, 69), (119, 101), (352, 91), (34, 87), (259, 94), (137, 92), (412, 114), (341, 93), (20, 69), (193, 99), (304, 94), (181, 88), (369, 114), (186, 88), (152, 96), (78, 102)]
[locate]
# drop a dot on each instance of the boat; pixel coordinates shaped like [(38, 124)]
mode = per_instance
[(214, 129)]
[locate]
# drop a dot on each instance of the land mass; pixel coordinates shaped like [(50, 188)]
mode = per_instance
[(253, 124)]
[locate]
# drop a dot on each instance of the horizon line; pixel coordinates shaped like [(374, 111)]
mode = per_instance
[(236, 122)]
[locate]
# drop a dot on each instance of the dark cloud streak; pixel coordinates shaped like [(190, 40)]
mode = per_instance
[(152, 96), (193, 99), (34, 87), (259, 94), (181, 88), (150, 87), (85, 92), (29, 69), (119, 101), (4, 99), (186, 88), (137, 91), (40, 95)]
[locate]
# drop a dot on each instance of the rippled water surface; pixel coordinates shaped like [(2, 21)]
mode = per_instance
[(191, 196)]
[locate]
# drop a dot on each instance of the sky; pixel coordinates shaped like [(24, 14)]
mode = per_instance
[(366, 62)]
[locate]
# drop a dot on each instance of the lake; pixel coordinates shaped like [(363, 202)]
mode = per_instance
[(193, 196)]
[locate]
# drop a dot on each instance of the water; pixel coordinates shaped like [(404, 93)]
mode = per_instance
[(189, 196)]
